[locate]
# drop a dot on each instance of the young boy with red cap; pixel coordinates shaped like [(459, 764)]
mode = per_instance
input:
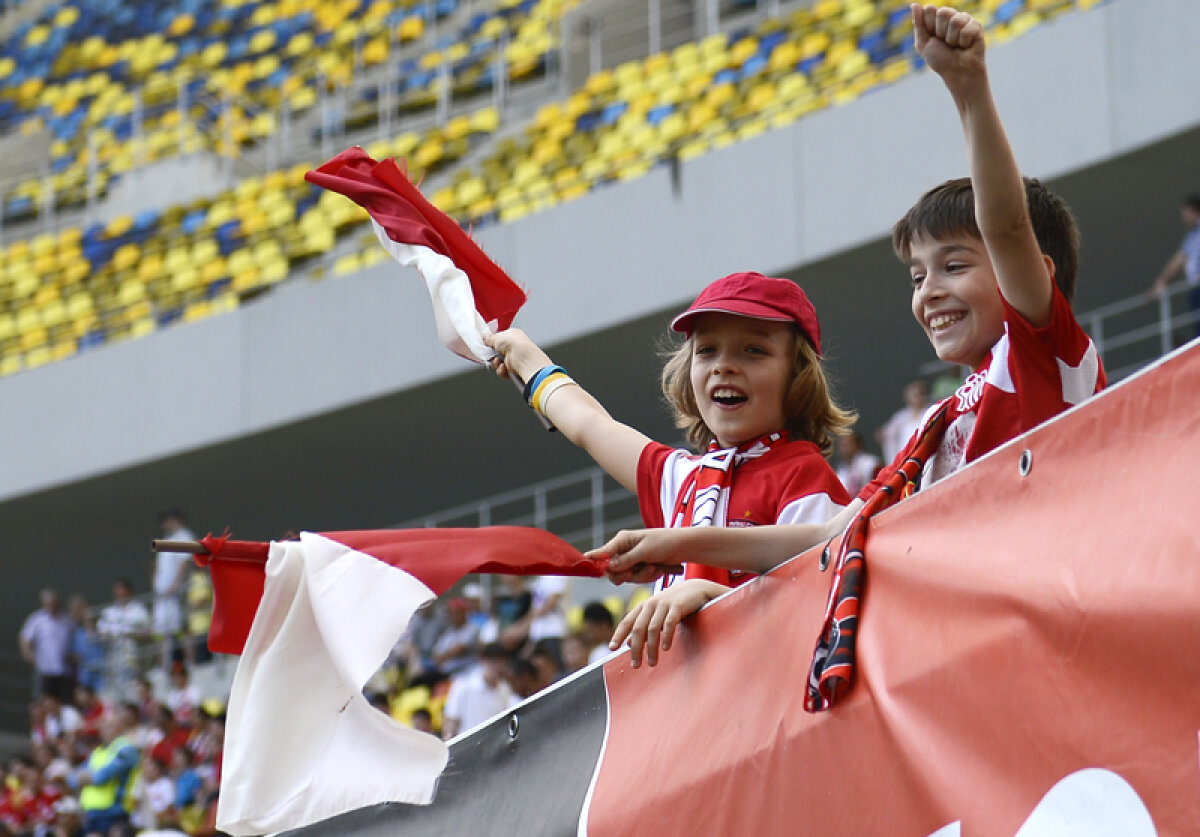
[(992, 260), (746, 386)]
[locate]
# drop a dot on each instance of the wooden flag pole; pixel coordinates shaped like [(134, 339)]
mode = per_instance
[(190, 547)]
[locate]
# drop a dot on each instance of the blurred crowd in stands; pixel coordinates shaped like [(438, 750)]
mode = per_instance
[(121, 741), (472, 656)]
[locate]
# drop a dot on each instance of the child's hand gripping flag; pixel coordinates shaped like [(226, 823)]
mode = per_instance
[(471, 294)]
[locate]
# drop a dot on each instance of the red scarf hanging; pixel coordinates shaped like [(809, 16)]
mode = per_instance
[(833, 661)]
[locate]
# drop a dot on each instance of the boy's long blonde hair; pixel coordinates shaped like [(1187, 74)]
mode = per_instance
[(809, 411)]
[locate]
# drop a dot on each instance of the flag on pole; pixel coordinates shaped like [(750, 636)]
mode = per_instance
[(314, 619), (471, 294)]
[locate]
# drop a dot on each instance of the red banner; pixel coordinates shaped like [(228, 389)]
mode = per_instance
[(1033, 620)]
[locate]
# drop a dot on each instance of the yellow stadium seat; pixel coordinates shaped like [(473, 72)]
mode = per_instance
[(857, 13), (37, 356), (213, 270), (411, 28), (276, 269), (224, 302), (246, 279), (126, 256), (54, 314), (514, 212), (33, 339), (10, 365), (184, 278), (26, 286), (300, 44), (262, 41), (319, 240), (63, 349), (742, 50), (213, 54), (180, 25), (345, 265), (196, 311), (692, 148), (575, 618), (142, 326), (457, 127), (8, 326)]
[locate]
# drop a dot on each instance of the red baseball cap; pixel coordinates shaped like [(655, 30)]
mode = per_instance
[(754, 295)]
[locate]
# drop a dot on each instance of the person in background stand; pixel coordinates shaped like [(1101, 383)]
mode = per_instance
[(894, 435), (171, 572), (45, 643), (123, 623), (1186, 259), (856, 467)]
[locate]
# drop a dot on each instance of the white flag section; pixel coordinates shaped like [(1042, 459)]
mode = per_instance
[(459, 326), (302, 744)]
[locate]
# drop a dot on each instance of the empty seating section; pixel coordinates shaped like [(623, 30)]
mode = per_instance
[(704, 95), (74, 74), (96, 70)]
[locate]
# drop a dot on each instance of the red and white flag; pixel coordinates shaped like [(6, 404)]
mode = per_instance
[(314, 619), (471, 294)]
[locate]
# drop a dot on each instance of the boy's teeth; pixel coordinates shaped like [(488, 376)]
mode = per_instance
[(943, 320)]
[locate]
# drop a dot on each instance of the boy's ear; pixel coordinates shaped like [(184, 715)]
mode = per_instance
[(1051, 269)]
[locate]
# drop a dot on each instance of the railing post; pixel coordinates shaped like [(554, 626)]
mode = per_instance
[(93, 172), (324, 108), (500, 76), (1164, 323), (597, 508), (227, 112), (285, 129), (48, 203), (655, 26), (539, 508), (595, 47), (181, 109), (443, 101), (1097, 331)]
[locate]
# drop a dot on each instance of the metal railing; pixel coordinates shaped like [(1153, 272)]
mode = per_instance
[(584, 508)]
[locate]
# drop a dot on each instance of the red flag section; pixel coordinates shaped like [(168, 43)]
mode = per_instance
[(1033, 623), (438, 557), (408, 218)]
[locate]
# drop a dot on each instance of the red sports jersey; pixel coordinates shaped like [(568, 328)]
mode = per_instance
[(791, 484), (1030, 375)]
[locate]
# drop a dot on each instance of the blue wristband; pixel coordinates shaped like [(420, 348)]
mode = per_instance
[(542, 374)]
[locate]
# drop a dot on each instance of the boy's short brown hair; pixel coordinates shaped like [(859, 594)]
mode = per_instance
[(949, 209), (808, 406)]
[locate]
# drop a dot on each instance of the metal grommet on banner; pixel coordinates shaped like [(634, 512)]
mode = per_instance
[(514, 724), (823, 564), (1026, 463)]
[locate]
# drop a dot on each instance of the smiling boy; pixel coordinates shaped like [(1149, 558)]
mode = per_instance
[(992, 260)]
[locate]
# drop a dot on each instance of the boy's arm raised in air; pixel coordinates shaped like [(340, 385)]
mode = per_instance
[(616, 447), (952, 44), (642, 555)]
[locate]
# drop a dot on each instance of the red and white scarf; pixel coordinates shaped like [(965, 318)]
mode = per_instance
[(704, 495)]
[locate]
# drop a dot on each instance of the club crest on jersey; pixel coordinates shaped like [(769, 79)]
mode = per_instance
[(970, 392)]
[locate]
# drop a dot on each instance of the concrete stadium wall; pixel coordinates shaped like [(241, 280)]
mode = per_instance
[(1103, 83)]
